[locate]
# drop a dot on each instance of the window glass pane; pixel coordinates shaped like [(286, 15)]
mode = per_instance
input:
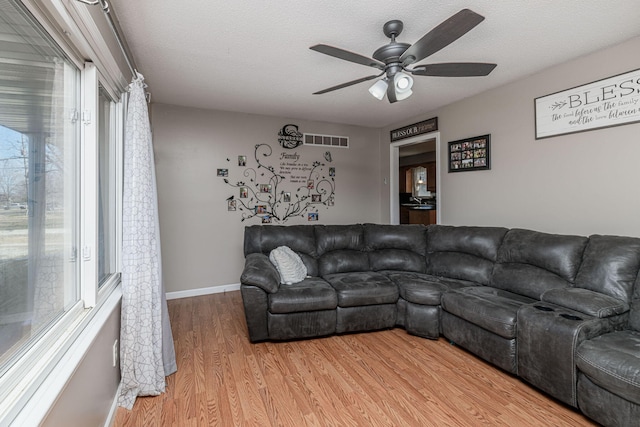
[(39, 98), (106, 187)]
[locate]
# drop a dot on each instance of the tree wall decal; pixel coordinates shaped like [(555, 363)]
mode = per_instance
[(267, 196)]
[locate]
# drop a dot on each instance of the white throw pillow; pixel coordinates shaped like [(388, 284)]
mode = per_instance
[(289, 265)]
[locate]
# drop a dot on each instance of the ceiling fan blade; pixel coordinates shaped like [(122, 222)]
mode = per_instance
[(454, 69), (347, 56), (340, 86), (442, 35)]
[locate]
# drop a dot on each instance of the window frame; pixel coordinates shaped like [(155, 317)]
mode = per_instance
[(115, 174), (88, 246)]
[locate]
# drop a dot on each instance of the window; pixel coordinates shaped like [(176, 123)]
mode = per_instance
[(107, 192), (61, 131), (39, 128)]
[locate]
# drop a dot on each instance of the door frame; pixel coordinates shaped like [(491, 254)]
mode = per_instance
[(394, 181)]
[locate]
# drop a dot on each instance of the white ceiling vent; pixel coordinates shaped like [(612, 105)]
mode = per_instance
[(326, 140)]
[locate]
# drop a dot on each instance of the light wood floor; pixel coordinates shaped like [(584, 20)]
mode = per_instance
[(386, 378)]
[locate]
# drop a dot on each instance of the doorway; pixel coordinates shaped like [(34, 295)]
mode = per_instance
[(419, 150)]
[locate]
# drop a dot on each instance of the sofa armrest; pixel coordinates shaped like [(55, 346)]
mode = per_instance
[(256, 306), (258, 271), (586, 301)]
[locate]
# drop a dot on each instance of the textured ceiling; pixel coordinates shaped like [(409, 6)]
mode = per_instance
[(253, 56)]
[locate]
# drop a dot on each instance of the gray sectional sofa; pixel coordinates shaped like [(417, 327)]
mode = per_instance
[(562, 312)]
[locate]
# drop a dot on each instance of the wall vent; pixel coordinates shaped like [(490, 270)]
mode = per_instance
[(326, 140)]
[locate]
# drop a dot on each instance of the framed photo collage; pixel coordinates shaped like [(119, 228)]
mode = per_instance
[(470, 154)]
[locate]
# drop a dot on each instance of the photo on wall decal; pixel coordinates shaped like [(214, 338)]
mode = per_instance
[(292, 187), (265, 188)]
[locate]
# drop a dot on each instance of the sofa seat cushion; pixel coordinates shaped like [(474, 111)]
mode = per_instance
[(311, 294), (363, 288), (612, 361), (490, 308), (423, 288)]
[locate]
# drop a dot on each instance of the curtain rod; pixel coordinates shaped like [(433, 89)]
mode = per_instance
[(119, 39)]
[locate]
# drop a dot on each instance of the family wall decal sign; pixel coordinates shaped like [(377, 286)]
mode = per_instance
[(293, 188)]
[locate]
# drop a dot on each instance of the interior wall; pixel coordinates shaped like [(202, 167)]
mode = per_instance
[(582, 183), (201, 240), (89, 394)]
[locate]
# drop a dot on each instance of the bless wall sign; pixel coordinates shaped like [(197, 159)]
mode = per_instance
[(612, 101), (419, 128)]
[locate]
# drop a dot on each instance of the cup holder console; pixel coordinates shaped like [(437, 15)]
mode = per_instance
[(565, 315), (570, 316)]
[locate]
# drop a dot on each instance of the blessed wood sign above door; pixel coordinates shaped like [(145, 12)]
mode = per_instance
[(426, 126)]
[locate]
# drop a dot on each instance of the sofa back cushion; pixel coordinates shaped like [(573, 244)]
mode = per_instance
[(634, 316), (610, 266), (464, 253), (340, 249), (530, 262), (300, 238), (396, 247)]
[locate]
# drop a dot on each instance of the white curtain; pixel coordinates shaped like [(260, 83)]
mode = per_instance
[(147, 353)]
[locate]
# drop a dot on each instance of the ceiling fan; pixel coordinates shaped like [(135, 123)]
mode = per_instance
[(394, 59)]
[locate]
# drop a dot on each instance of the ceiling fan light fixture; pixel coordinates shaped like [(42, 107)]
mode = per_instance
[(402, 84), (403, 95), (403, 81), (393, 58), (379, 88)]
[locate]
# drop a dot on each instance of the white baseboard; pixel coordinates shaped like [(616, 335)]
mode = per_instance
[(111, 417), (203, 291)]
